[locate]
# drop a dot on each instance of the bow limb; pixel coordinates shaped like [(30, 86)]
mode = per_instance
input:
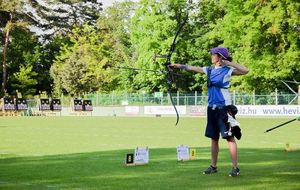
[(169, 83)]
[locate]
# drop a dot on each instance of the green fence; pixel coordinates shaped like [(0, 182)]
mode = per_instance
[(194, 98)]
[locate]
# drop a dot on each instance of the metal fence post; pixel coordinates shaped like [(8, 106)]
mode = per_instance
[(276, 96), (234, 98), (299, 95), (177, 98), (96, 98), (195, 98), (253, 94)]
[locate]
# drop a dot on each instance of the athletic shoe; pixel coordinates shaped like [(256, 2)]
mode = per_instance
[(234, 172), (210, 170)]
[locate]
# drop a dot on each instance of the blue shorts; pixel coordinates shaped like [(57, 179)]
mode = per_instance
[(217, 123)]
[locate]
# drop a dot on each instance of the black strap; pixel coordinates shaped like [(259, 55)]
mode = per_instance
[(208, 76)]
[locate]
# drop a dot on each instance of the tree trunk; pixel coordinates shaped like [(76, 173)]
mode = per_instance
[(4, 65)]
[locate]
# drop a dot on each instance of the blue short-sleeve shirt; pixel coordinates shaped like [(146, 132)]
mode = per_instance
[(218, 93)]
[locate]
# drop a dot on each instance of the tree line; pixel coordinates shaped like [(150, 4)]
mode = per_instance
[(74, 46)]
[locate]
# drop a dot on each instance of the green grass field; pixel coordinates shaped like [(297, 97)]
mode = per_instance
[(78, 153)]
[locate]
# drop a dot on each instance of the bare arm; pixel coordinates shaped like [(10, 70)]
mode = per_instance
[(188, 68), (239, 69)]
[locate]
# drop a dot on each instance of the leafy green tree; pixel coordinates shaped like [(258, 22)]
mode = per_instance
[(99, 50), (74, 78), (81, 67), (43, 66), (116, 22), (264, 35), (153, 29), (25, 80), (24, 52)]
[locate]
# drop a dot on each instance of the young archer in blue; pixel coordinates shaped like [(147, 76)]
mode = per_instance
[(218, 98)]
